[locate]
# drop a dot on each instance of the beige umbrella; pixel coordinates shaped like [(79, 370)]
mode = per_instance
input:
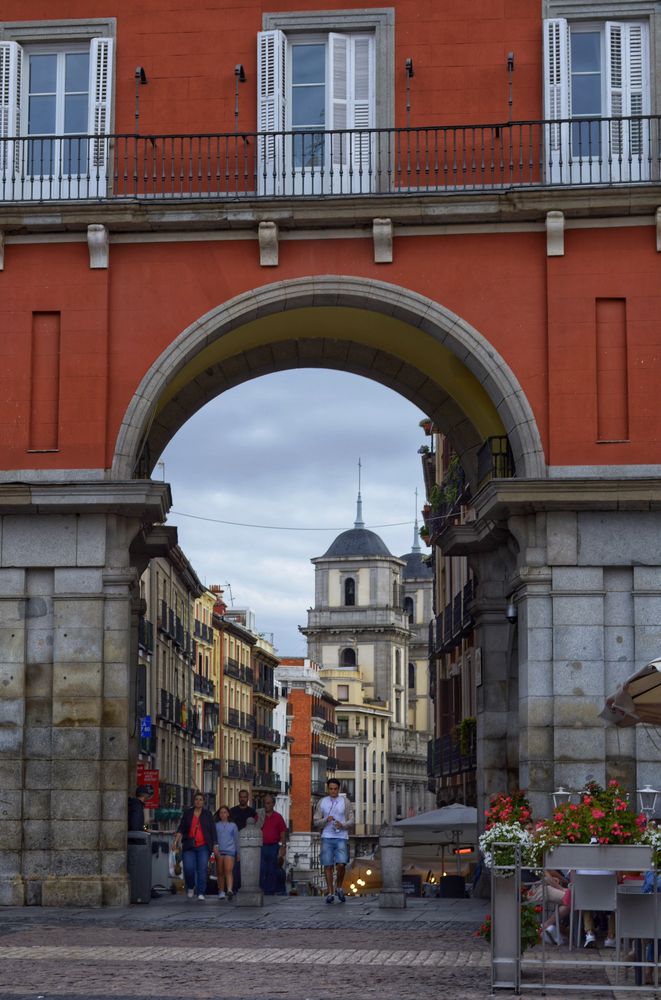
[(637, 700)]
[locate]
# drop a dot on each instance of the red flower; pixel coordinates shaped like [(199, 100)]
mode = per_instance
[(598, 814)]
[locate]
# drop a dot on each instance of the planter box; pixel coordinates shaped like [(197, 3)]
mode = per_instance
[(614, 857)]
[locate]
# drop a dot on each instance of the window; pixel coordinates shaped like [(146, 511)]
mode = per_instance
[(597, 80), (412, 676), (314, 80), (408, 609), (348, 658), (55, 95), (342, 692), (349, 591)]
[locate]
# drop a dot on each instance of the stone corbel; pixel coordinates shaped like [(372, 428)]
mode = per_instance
[(2, 250), (555, 234), (382, 237), (657, 219), (268, 244), (99, 246)]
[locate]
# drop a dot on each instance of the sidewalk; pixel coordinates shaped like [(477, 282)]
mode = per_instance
[(169, 912)]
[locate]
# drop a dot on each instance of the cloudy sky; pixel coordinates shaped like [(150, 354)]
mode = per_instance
[(282, 451)]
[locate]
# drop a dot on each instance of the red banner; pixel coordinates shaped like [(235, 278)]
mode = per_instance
[(150, 778)]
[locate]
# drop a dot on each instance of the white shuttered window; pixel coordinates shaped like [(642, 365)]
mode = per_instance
[(52, 98), (319, 90), (594, 72)]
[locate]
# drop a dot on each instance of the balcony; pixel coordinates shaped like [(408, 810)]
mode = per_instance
[(145, 635), (495, 460), (267, 780), (204, 739), (330, 727), (445, 757), (204, 686), (264, 734), (318, 788), (232, 668), (400, 162)]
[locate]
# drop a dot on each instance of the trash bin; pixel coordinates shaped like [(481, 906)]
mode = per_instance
[(161, 844), (138, 863)]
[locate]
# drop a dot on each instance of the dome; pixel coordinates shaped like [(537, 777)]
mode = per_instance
[(357, 542), (416, 568)]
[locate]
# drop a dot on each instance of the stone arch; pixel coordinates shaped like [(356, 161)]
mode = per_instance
[(251, 335)]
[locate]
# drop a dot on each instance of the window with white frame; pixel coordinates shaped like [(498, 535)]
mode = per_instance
[(325, 78), (597, 87), (55, 115)]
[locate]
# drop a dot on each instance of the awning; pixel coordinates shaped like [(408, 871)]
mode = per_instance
[(637, 700)]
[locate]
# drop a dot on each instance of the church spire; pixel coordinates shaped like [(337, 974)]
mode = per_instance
[(416, 534), (359, 523)]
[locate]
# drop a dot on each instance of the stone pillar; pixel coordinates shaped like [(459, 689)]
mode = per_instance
[(66, 585), (497, 730), (391, 846), (250, 848)]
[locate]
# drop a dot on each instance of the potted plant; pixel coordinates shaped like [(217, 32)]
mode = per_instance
[(506, 836), (530, 926)]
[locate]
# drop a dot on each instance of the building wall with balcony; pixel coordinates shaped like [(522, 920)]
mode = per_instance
[(207, 689), (308, 711), (170, 587), (266, 736), (281, 755), (238, 722), (486, 265), (453, 655)]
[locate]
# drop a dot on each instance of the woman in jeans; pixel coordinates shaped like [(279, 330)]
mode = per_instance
[(197, 836)]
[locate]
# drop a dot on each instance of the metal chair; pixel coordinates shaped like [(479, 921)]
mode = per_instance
[(638, 917), (593, 891)]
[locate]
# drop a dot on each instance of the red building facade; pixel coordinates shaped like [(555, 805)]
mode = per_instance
[(459, 203)]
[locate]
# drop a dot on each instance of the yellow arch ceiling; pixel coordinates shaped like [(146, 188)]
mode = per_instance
[(361, 326)]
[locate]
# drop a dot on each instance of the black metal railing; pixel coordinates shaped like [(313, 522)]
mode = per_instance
[(495, 459), (265, 734), (266, 779), (146, 634), (403, 161), (445, 756), (204, 685)]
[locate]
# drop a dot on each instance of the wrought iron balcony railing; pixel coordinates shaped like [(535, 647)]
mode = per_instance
[(415, 161)]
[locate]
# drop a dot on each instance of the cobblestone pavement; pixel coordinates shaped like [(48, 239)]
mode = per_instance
[(217, 952)]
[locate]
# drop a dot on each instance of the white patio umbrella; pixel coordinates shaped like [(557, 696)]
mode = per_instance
[(428, 835), (637, 700)]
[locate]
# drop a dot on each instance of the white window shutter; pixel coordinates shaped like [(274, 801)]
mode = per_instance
[(556, 97), (556, 72), (271, 108), (363, 108), (11, 70), (627, 94), (339, 88), (100, 108)]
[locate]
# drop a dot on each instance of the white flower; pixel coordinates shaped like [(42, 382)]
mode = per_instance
[(498, 846)]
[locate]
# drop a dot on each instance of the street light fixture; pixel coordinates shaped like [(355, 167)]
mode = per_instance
[(561, 796), (647, 797)]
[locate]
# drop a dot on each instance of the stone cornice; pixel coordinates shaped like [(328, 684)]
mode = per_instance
[(120, 215), (504, 498), (141, 498)]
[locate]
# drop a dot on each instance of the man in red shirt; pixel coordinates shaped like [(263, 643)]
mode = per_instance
[(274, 840)]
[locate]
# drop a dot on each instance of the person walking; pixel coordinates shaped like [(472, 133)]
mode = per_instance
[(227, 835), (242, 814), (197, 836), (274, 840), (333, 816)]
